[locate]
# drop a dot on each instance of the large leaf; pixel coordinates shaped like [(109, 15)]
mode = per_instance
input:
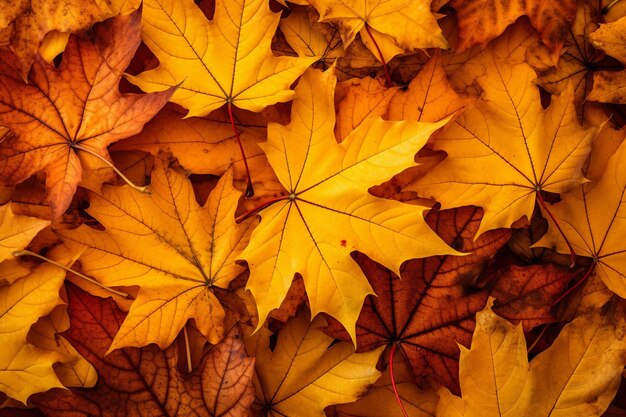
[(431, 309), (171, 247), (146, 382), (328, 212), (578, 375), (73, 107), (505, 148), (225, 60)]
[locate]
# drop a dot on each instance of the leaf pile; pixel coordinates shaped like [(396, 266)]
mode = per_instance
[(312, 208)]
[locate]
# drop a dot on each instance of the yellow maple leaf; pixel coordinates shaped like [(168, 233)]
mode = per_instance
[(577, 376), (328, 212), (24, 368), (171, 247), (225, 60), (593, 217), (505, 148), (304, 373), (393, 26)]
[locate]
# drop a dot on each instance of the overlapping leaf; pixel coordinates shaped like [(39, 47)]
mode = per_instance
[(30, 20), (431, 309), (380, 400), (304, 373), (593, 217), (482, 21), (16, 232), (24, 368), (146, 382), (75, 371), (610, 87), (328, 212), (496, 379), (175, 250), (505, 148), (225, 60), (65, 113), (393, 26)]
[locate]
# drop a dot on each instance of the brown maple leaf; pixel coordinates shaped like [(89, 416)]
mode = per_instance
[(146, 382), (65, 117), (432, 307)]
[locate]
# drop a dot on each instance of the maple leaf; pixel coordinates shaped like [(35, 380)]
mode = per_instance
[(66, 115), (191, 250), (24, 368), (610, 87), (482, 21), (592, 218), (431, 309), (578, 375), (389, 27), (304, 373), (522, 149), (187, 44), (328, 212), (146, 382)]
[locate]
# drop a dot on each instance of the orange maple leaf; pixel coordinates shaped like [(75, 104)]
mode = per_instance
[(65, 117), (482, 21)]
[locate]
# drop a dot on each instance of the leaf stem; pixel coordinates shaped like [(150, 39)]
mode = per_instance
[(388, 82), (249, 187), (393, 380), (609, 6), (187, 349), (85, 277), (590, 270), (538, 338), (143, 189), (572, 253), (260, 207)]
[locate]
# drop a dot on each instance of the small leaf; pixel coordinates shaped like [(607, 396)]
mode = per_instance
[(304, 373)]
